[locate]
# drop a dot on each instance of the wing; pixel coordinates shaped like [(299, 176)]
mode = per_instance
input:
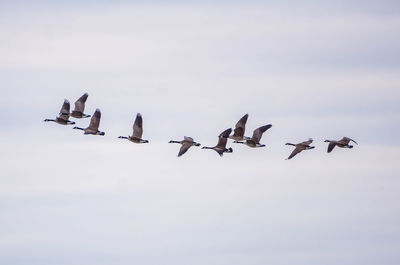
[(346, 140), (138, 126), (257, 134), (331, 146), (184, 148), (225, 133), (306, 143), (95, 120), (240, 126), (295, 152), (80, 103), (189, 139), (222, 142), (65, 108)]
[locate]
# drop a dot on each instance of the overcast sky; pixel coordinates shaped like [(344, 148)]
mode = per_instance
[(311, 69)]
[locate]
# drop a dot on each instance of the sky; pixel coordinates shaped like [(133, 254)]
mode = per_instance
[(310, 68)]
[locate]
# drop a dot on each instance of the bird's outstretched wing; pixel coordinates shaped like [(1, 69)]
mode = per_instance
[(295, 152), (65, 108), (222, 142), (95, 121), (306, 143), (240, 126), (184, 148), (257, 134), (138, 126), (189, 139), (331, 145), (226, 133), (80, 103), (346, 140)]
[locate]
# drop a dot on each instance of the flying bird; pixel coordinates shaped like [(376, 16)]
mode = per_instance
[(94, 125), (343, 143), (240, 127), (300, 147), (186, 143), (220, 148), (137, 131), (254, 141), (63, 117), (80, 107)]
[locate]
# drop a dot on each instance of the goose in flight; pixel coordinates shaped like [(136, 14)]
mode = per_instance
[(64, 115), (240, 127), (80, 107), (254, 141), (186, 143), (137, 131), (94, 124), (343, 143), (220, 148), (300, 147)]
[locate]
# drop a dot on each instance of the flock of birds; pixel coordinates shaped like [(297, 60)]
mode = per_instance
[(187, 142)]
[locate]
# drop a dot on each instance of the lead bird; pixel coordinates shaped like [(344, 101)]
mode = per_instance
[(220, 148), (63, 118), (254, 141), (343, 143), (300, 147), (186, 143), (80, 107), (137, 131), (94, 124)]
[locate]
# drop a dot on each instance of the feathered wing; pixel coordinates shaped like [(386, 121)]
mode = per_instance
[(95, 120), (80, 103), (295, 152), (189, 139), (257, 134), (64, 112), (346, 140), (222, 142), (65, 108), (240, 126), (331, 145), (138, 127), (306, 143), (225, 133), (184, 148)]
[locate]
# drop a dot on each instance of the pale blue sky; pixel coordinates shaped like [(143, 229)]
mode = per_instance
[(311, 69)]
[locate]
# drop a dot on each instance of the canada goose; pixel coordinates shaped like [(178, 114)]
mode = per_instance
[(300, 147), (220, 148), (137, 131), (186, 143), (64, 115), (94, 124), (343, 143), (240, 127), (80, 107), (254, 141)]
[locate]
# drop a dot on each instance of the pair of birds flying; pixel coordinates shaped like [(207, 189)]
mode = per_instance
[(343, 143), (238, 133)]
